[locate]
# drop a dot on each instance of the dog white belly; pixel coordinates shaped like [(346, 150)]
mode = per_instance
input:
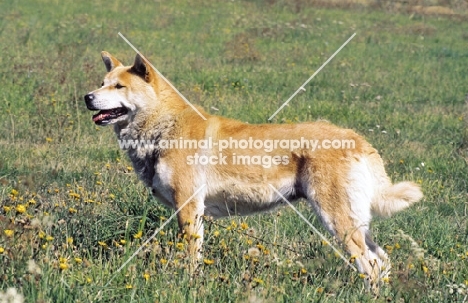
[(242, 199)]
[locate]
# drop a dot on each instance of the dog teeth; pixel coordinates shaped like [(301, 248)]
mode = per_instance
[(99, 117)]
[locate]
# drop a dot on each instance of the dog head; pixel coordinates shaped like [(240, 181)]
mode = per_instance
[(124, 91)]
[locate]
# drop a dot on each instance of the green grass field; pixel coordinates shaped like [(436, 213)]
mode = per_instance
[(72, 210)]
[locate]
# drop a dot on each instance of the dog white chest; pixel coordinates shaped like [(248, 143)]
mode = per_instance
[(161, 186)]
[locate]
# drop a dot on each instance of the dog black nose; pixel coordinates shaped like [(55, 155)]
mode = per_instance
[(89, 98)]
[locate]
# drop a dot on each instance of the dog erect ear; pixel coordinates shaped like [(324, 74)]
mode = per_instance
[(142, 68), (110, 61)]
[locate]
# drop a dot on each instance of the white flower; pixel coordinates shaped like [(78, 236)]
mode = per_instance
[(33, 268), (11, 296), (36, 223), (253, 252)]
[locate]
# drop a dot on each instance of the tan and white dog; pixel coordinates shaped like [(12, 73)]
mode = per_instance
[(175, 152)]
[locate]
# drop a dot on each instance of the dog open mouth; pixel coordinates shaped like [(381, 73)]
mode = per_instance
[(105, 116)]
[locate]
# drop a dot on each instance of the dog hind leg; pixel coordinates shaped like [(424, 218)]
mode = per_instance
[(350, 225)]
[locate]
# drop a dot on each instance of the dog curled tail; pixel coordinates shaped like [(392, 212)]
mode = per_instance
[(395, 198)]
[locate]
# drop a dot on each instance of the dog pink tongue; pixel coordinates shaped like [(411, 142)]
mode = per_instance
[(103, 114)]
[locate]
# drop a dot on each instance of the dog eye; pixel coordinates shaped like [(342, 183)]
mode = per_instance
[(118, 86), (102, 84)]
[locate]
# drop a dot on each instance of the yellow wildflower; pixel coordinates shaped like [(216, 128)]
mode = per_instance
[(63, 266), (258, 280), (20, 208), (74, 195), (9, 233), (2, 250), (138, 235), (208, 261), (180, 246)]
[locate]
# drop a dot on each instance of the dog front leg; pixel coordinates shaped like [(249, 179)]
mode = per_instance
[(190, 219)]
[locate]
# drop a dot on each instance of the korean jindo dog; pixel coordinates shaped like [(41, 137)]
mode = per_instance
[(239, 166)]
